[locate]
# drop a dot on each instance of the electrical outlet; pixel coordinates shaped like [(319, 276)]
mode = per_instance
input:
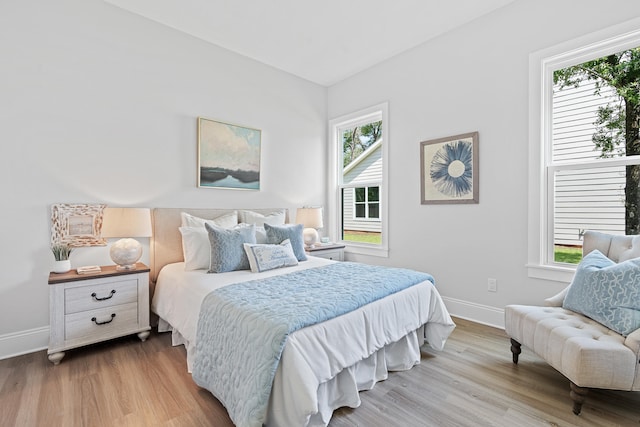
[(492, 285)]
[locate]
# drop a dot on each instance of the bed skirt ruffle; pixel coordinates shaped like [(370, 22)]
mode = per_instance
[(343, 389)]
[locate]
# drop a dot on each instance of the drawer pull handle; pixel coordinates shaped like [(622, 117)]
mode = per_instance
[(94, 320), (95, 297)]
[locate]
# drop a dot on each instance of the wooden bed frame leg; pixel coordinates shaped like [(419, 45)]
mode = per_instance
[(515, 350), (578, 395)]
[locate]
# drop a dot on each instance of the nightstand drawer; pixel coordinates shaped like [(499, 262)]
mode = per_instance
[(100, 295), (336, 255), (102, 322)]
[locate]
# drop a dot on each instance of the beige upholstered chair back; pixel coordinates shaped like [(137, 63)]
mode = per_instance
[(616, 248)]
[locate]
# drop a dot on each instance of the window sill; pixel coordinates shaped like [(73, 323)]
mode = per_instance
[(551, 273), (351, 248)]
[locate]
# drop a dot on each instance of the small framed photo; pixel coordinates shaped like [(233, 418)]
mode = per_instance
[(228, 156), (449, 169), (77, 224)]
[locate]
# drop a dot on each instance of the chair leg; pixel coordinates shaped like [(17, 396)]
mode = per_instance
[(578, 395), (515, 350)]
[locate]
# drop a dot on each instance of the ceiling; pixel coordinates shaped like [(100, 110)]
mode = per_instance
[(324, 41)]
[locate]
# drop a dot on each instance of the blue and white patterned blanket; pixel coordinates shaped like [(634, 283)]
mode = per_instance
[(242, 328)]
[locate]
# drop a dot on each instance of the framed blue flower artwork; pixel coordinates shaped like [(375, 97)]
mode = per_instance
[(449, 169)]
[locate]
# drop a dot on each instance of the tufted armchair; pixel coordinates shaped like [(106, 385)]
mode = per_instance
[(588, 353)]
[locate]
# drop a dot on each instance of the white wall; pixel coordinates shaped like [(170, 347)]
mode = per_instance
[(98, 105), (474, 78)]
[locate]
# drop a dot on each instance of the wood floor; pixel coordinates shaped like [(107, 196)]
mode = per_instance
[(471, 383)]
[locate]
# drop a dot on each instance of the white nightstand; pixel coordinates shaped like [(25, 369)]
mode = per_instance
[(89, 308), (328, 251)]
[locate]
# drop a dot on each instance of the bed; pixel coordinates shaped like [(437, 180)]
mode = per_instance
[(321, 366)]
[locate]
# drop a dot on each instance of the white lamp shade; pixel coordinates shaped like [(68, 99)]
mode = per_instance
[(309, 217), (127, 223)]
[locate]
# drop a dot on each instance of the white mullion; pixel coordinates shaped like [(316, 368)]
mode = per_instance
[(595, 163), (362, 184)]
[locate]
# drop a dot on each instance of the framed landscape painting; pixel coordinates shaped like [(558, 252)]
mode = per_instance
[(449, 169), (228, 156)]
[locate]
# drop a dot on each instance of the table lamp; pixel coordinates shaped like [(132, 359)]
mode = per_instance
[(311, 219), (126, 223)]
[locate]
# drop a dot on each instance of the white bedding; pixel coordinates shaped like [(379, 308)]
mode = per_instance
[(322, 366)]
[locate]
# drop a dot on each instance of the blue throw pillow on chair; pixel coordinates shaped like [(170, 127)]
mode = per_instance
[(607, 292)]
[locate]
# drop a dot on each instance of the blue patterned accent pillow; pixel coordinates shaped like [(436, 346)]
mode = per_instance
[(269, 257), (607, 292), (277, 234), (227, 250)]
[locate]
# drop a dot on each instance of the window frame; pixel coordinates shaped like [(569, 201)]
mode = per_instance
[(366, 203), (335, 174), (540, 263)]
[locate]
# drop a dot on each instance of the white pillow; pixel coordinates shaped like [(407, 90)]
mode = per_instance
[(251, 217), (225, 221), (261, 234), (269, 257), (195, 248)]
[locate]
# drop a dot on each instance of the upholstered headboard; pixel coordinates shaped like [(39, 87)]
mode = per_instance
[(166, 244)]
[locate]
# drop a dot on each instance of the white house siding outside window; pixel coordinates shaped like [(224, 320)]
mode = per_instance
[(585, 197), (358, 212), (571, 187)]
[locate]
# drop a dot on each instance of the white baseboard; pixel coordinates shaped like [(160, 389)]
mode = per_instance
[(23, 342), (37, 339), (487, 315)]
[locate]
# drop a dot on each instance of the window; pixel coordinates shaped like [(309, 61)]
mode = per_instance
[(366, 202), (582, 162), (358, 162)]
